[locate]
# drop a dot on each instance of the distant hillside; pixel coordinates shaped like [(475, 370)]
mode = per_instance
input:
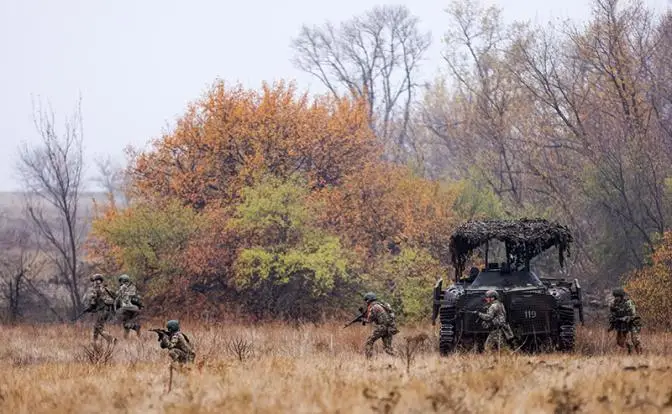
[(11, 203)]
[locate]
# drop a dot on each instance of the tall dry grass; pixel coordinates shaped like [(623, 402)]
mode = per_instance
[(316, 369)]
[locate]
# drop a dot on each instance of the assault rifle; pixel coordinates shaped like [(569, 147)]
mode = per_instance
[(161, 333), (360, 318), (80, 314), (618, 323), (474, 312)]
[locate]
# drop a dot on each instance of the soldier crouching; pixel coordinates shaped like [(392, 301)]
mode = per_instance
[(177, 343)]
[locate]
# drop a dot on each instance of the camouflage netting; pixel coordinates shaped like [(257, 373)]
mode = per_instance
[(524, 239)]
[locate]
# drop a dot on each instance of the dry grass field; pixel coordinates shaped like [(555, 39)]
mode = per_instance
[(316, 369)]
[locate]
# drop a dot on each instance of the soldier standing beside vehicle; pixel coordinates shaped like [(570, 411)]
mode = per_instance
[(495, 320), (178, 344), (380, 314), (127, 303), (623, 319), (100, 301)]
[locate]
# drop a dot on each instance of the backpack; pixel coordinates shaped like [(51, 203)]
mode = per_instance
[(137, 301), (389, 310)]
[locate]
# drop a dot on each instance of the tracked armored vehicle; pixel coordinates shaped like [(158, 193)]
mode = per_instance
[(540, 311)]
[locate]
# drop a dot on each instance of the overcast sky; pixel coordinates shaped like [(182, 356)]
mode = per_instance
[(137, 63)]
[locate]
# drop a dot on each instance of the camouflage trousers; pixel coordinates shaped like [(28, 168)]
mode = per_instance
[(622, 340), (128, 318), (496, 340), (102, 316), (384, 332), (180, 356)]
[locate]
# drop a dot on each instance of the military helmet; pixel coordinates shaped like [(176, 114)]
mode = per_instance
[(492, 294), (618, 292), (124, 278), (97, 276), (173, 325), (370, 297)]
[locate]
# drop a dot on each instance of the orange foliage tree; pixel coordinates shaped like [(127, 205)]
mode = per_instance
[(650, 286), (214, 169), (231, 133)]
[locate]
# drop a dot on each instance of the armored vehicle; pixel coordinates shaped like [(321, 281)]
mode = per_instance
[(540, 311)]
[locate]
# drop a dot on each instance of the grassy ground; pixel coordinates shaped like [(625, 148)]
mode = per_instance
[(314, 369)]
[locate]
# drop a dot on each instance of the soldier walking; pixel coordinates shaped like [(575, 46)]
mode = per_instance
[(127, 304), (100, 301), (495, 320), (623, 319), (178, 344), (380, 314)]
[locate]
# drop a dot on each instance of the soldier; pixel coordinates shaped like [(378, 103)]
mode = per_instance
[(100, 301), (381, 315), (495, 319), (177, 343), (127, 305), (623, 318)]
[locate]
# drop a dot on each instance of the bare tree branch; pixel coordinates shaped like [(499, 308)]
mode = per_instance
[(52, 172), (375, 56)]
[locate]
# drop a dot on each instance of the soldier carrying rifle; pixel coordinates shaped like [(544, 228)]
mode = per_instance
[(178, 344), (623, 319), (128, 305), (494, 318), (100, 301)]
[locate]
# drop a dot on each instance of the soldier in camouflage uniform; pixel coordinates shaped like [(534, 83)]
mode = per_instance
[(623, 319), (495, 319), (381, 315), (101, 302), (179, 346), (128, 310)]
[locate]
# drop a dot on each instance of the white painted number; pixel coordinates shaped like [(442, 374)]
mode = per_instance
[(530, 314)]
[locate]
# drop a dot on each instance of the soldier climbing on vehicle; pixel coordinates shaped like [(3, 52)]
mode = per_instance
[(128, 305), (380, 314), (623, 319)]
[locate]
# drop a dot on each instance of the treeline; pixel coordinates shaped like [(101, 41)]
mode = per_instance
[(275, 204)]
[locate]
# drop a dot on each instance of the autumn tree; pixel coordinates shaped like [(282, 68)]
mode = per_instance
[(650, 286), (231, 133), (268, 203), (375, 56), (287, 265)]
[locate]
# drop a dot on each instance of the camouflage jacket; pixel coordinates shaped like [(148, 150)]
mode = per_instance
[(495, 314), (124, 295), (623, 315), (99, 298), (178, 340), (380, 314)]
